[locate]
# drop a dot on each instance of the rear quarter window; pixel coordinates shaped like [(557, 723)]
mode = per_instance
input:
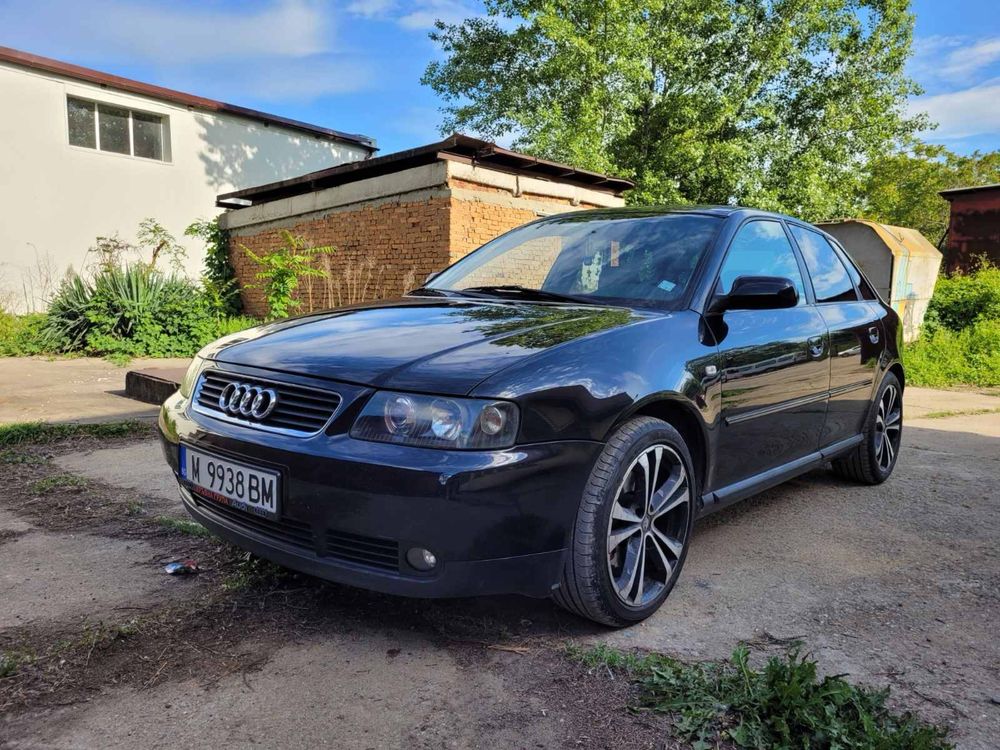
[(830, 278)]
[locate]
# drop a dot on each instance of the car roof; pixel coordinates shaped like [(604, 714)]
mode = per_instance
[(638, 212)]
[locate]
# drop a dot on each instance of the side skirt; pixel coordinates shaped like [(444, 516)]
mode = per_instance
[(733, 493)]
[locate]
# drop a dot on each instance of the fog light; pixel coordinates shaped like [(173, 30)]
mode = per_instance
[(421, 559)]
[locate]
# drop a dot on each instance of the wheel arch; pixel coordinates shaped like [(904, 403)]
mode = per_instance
[(684, 417)]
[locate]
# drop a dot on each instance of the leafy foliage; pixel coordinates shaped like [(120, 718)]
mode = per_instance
[(281, 269), (770, 103), (21, 335), (960, 343), (219, 277), (783, 705), (902, 188)]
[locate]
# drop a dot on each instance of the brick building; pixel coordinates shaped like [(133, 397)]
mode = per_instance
[(974, 226), (396, 218)]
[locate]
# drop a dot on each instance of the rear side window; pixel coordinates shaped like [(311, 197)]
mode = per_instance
[(859, 281), (760, 248), (831, 281)]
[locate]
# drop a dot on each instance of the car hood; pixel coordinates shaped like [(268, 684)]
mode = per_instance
[(419, 344)]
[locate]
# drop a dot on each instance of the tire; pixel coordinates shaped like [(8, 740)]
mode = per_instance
[(596, 581), (873, 460)]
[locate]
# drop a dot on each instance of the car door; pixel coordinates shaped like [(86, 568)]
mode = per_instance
[(855, 333), (776, 371)]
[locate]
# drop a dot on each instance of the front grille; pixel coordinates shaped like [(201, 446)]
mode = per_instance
[(299, 410), (364, 550), (287, 530)]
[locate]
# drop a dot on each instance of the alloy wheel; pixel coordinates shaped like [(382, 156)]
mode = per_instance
[(888, 427), (648, 527)]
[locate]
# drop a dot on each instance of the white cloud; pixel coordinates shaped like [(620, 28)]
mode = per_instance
[(953, 59), (430, 11), (417, 15), (967, 60), (164, 33), (961, 114), (371, 8)]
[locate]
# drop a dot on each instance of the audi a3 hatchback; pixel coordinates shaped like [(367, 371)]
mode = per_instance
[(549, 415)]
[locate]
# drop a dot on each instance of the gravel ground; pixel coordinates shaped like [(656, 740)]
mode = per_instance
[(895, 585)]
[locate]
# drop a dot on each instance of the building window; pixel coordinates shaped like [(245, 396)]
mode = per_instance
[(116, 129)]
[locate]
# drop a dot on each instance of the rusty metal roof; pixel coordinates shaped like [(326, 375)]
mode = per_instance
[(79, 73), (952, 192), (901, 241), (455, 147)]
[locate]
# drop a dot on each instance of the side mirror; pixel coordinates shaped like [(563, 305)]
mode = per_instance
[(758, 293)]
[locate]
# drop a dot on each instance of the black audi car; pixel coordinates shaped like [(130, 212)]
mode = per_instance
[(551, 414)]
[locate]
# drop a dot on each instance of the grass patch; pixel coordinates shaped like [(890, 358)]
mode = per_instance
[(183, 526), (9, 663), (966, 413), (21, 433), (782, 705), (58, 482), (252, 572), (11, 456)]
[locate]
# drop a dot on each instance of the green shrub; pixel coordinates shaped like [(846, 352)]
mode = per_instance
[(962, 299), (943, 357), (21, 335), (282, 268), (133, 312), (219, 278)]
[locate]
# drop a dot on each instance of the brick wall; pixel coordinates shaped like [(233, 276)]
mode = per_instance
[(387, 248)]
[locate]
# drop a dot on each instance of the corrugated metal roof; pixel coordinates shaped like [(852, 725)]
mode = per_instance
[(79, 73), (899, 240), (456, 147)]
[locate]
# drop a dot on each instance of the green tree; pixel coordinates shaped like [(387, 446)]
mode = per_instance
[(771, 103), (902, 188)]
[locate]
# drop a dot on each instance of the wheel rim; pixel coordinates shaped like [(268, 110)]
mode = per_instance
[(648, 527), (888, 427)]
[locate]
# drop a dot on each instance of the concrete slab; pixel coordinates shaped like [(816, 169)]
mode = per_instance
[(335, 692), (70, 390), (139, 466), (50, 577), (922, 401)]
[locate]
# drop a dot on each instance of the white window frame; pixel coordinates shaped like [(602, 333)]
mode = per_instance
[(165, 151)]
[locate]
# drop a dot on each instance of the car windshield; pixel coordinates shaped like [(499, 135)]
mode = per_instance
[(601, 259)]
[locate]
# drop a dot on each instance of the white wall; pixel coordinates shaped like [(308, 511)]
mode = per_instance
[(55, 199)]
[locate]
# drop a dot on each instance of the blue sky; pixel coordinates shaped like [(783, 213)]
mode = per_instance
[(355, 65)]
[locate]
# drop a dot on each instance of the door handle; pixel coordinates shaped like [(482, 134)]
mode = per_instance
[(873, 334), (816, 347)]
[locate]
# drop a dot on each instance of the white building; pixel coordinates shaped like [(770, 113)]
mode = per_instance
[(86, 154)]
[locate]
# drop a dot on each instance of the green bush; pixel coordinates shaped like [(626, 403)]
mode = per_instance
[(130, 312), (943, 357), (21, 335), (219, 278), (960, 342), (962, 299)]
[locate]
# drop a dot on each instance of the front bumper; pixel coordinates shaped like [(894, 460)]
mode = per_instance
[(497, 521)]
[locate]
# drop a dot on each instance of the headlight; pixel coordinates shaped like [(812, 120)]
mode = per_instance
[(437, 421), (191, 376)]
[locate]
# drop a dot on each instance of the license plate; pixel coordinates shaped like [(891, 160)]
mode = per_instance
[(231, 483)]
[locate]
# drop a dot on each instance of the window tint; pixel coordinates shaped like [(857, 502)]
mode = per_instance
[(761, 248), (82, 121), (830, 279), (859, 281)]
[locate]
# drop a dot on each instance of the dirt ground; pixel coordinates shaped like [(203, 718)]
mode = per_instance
[(895, 585)]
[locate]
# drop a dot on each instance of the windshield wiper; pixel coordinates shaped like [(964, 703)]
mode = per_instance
[(526, 293), (430, 291)]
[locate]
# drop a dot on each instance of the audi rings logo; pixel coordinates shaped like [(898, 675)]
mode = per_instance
[(242, 400)]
